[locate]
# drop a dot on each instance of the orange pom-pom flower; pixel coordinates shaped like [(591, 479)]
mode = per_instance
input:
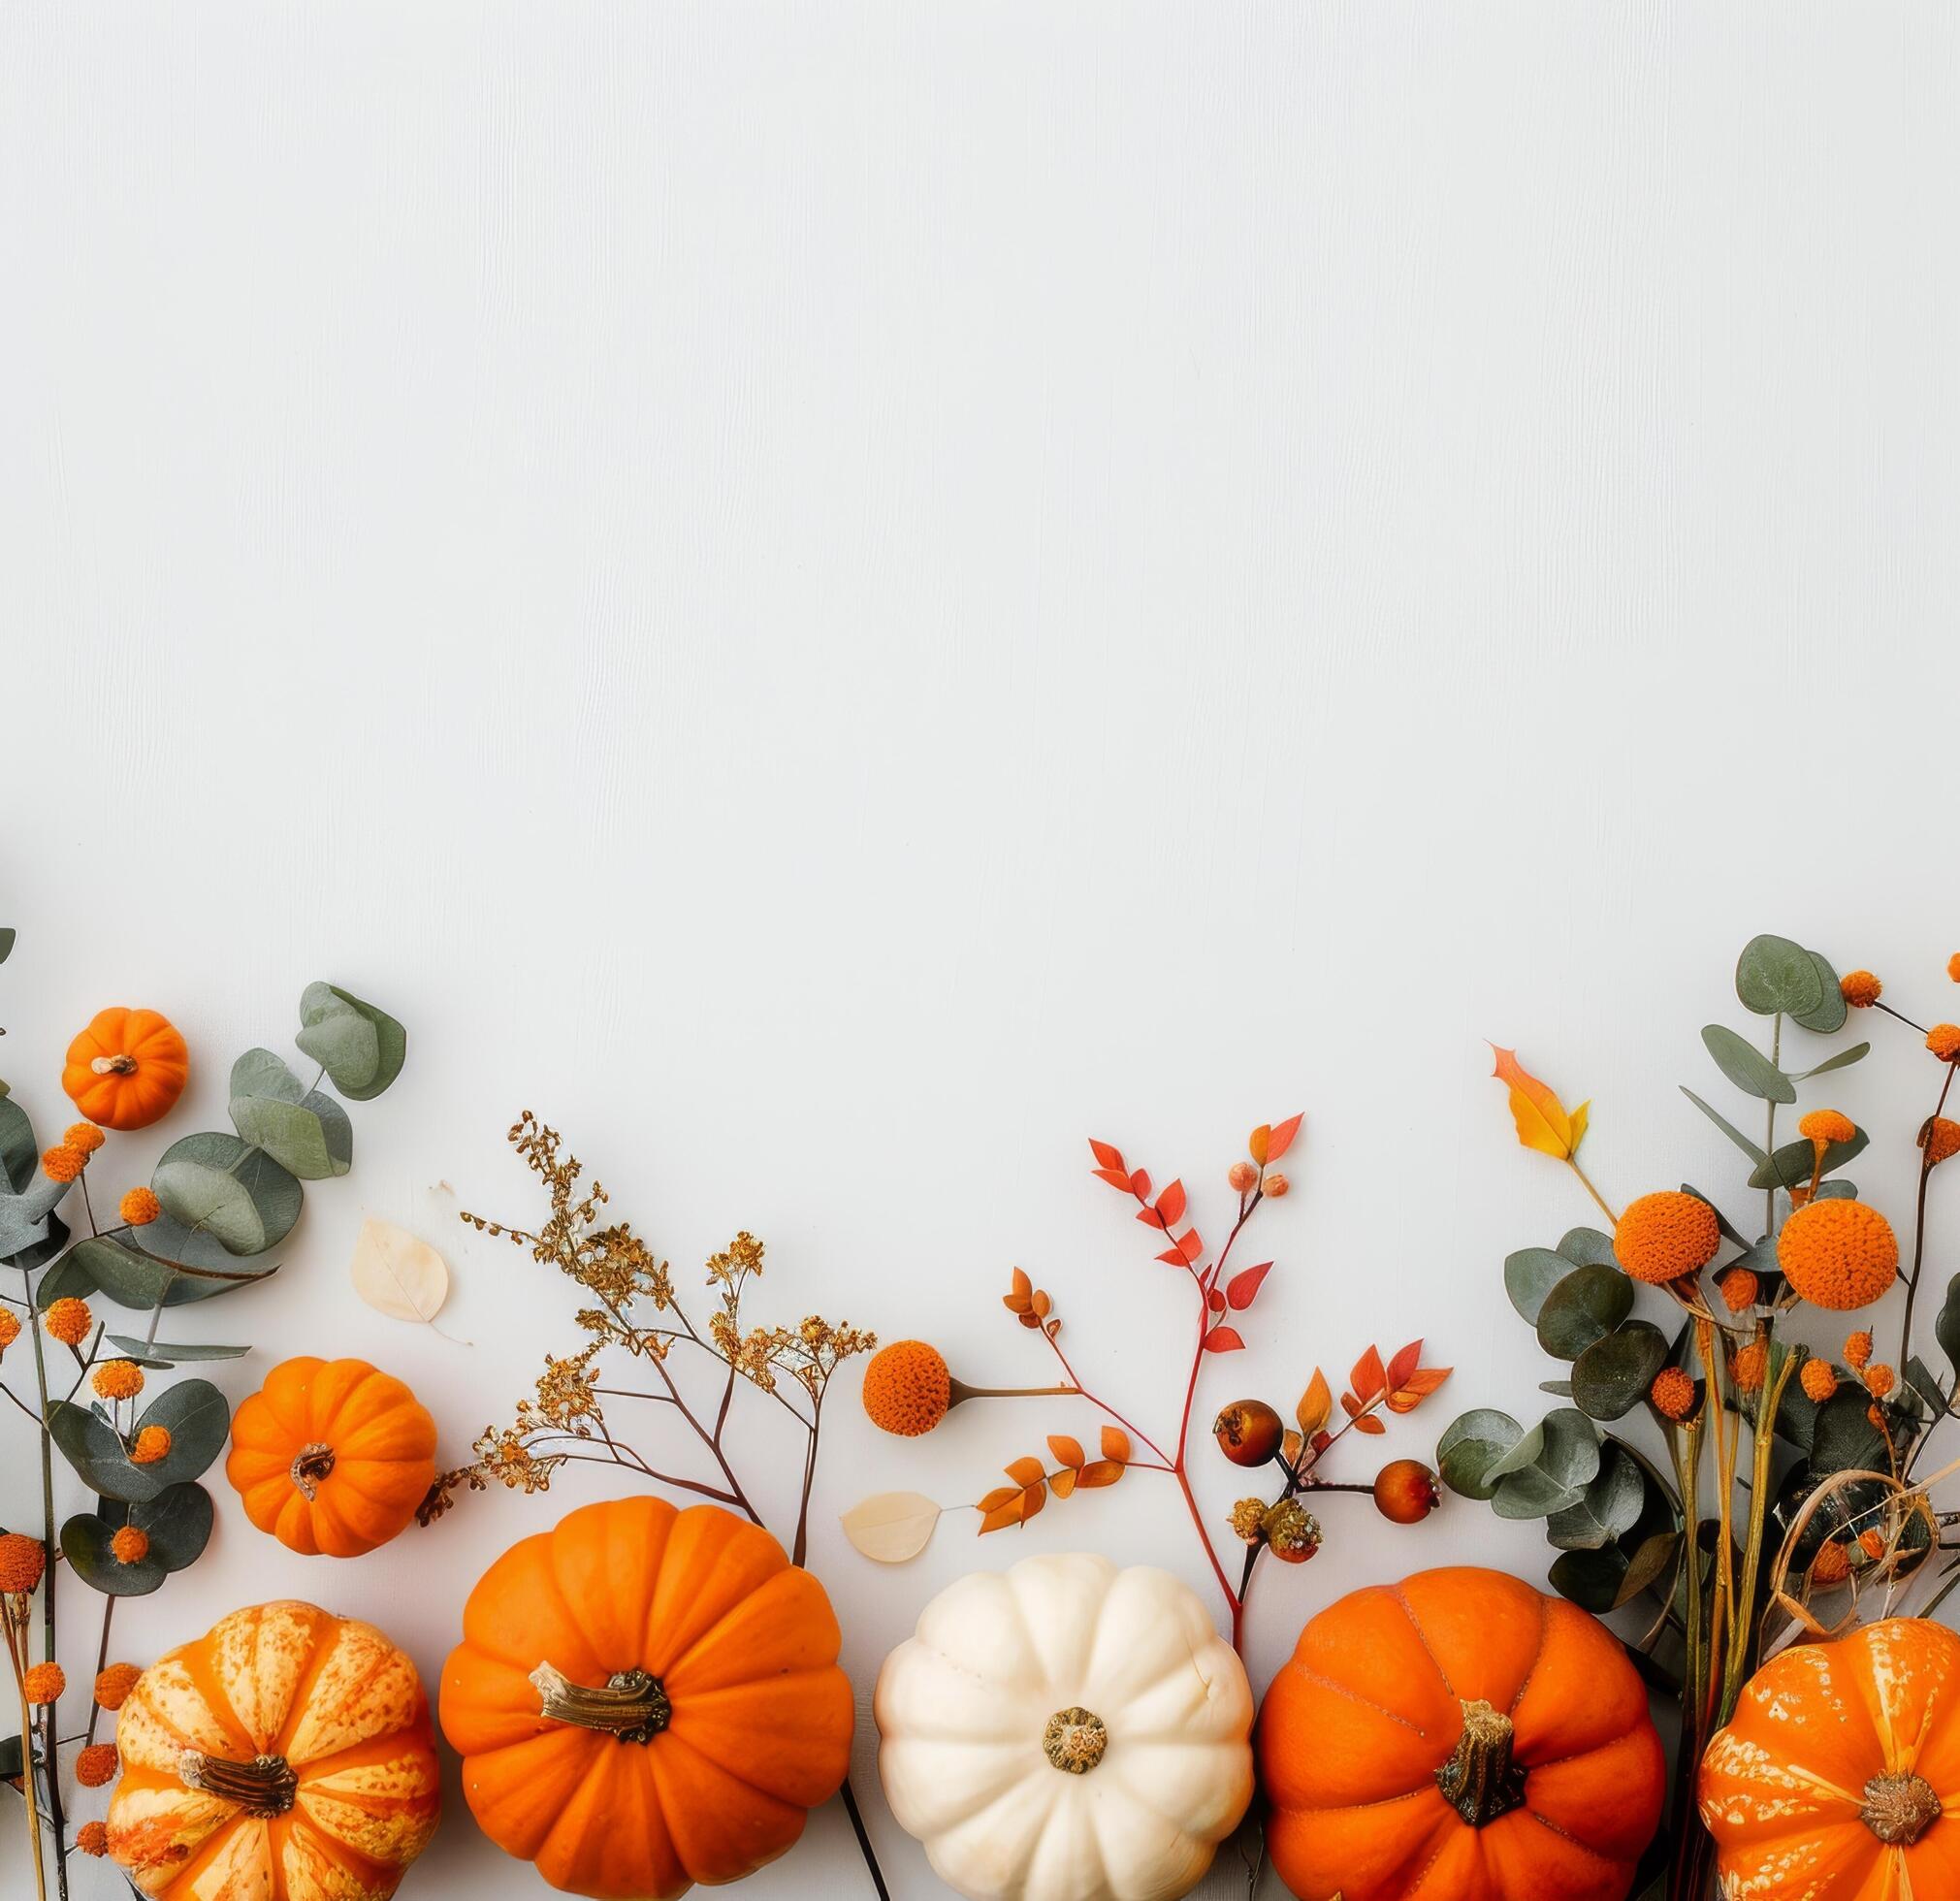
[(1672, 1393), (1943, 1039), (63, 1162), (1825, 1126), (112, 1684), (130, 1545), (92, 1838), (139, 1207), (118, 1379), (1819, 1379), (1666, 1236), (1838, 1254), (1739, 1290), (152, 1445), (68, 1320), (1860, 989), (95, 1766), (906, 1388), (21, 1561), (43, 1683)]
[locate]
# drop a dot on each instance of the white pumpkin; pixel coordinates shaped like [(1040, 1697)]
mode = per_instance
[(1066, 1731)]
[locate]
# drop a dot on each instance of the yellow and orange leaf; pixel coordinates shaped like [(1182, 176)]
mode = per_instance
[(1417, 1388), (1541, 1117), (1068, 1452), (1062, 1483), (1315, 1404), (1115, 1445), (1099, 1471), (1025, 1471)]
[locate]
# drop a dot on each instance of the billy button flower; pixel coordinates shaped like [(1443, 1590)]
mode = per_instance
[(130, 1545), (1859, 1349), (1879, 1381), (152, 1445), (113, 1683), (118, 1379), (908, 1389), (9, 1329), (1672, 1393), (95, 1765), (1953, 967), (1739, 1290), (68, 1320), (1819, 1379), (83, 1137), (1751, 1363), (62, 1163), (139, 1207), (1831, 1565), (1943, 1039), (1939, 1138), (1860, 989), (1838, 1254), (43, 1683), (21, 1561), (1825, 1126), (92, 1838), (1666, 1236)]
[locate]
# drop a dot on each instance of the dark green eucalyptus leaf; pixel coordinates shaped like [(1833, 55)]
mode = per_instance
[(1583, 1308), (1649, 1566), (25, 1218), (1609, 1507), (133, 1278), (1844, 1439), (1529, 1274), (1728, 1128), (11, 1759), (1532, 1494), (91, 1447), (1838, 1191), (1471, 1446), (1589, 1579), (1747, 1067), (6, 942), (1828, 1016), (54, 1239), (1611, 1377), (1560, 1388), (177, 1522), (1774, 974), (1571, 1453), (1790, 1166), (1586, 1247), (197, 1416), (19, 1158), (360, 1047)]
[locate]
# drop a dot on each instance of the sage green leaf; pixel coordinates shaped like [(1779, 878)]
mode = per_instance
[(1947, 1327), (171, 1353), (23, 1217), (262, 1073), (19, 1158), (1652, 1561), (1774, 974), (1471, 1446), (197, 1416), (311, 1140), (217, 1186), (1611, 1377), (1747, 1067), (90, 1443), (177, 1522), (1843, 1059), (1560, 1388), (1572, 1448), (1589, 1579), (1610, 1506), (1728, 1128), (1529, 1274), (1521, 1456), (1828, 1017), (1790, 1166), (1532, 1494), (1588, 1247), (360, 1064), (133, 1278), (1583, 1308)]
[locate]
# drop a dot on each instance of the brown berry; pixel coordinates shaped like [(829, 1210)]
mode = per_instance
[(1248, 1431), (1405, 1491), (1276, 1184)]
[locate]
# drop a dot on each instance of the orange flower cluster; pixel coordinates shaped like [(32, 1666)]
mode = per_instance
[(1859, 1349), (9, 1329), (1672, 1393), (92, 1838), (95, 1765), (68, 1320), (1666, 1236), (113, 1683), (139, 1207), (1838, 1254), (21, 1561), (906, 1388), (1941, 1140), (43, 1683), (1943, 1040), (1819, 1379), (130, 1545), (118, 1379), (1860, 989), (63, 1164), (152, 1445), (1739, 1290), (1750, 1365), (1823, 1126)]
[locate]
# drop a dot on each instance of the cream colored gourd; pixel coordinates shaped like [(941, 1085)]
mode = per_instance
[(1066, 1731)]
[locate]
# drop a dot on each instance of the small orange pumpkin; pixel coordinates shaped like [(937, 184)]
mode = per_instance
[(645, 1698), (286, 1752), (127, 1068), (1840, 1771), (332, 1455), (1463, 1735)]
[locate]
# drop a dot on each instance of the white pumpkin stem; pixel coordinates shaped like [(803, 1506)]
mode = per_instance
[(1899, 1809), (1074, 1740), (313, 1464), (265, 1786), (1480, 1780), (630, 1704)]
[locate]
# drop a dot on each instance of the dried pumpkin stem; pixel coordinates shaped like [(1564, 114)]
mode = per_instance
[(114, 1065), (630, 1704), (1074, 1740), (265, 1786), (1480, 1780), (313, 1464), (1899, 1809)]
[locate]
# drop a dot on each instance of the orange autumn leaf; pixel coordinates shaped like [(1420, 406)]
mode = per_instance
[(1541, 1118), (1279, 1138), (1417, 1388), (1367, 1378), (1068, 1452), (1315, 1404), (1099, 1471), (1062, 1483), (1115, 1443), (1024, 1472)]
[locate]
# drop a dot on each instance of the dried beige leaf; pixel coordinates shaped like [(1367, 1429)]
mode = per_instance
[(893, 1526), (399, 1275)]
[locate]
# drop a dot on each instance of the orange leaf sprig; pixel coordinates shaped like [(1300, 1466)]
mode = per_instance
[(1075, 1471)]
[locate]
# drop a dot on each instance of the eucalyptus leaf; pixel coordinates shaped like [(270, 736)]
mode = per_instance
[(1532, 1494), (1529, 1450), (1529, 1274), (1947, 1327), (310, 1140), (1587, 1247), (1745, 1066), (262, 1073), (1652, 1561), (197, 1416), (19, 1156), (1843, 1059), (1611, 1377), (1572, 1452), (91, 1447), (177, 1522), (6, 942), (1610, 1506), (1583, 1308), (1844, 1439), (133, 1278), (23, 1217), (216, 1185), (1828, 1016), (1751, 1149), (1791, 1164), (171, 1353), (1471, 1446), (360, 1065), (1589, 1579), (1774, 974)]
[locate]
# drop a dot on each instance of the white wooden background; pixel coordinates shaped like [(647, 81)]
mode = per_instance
[(836, 598)]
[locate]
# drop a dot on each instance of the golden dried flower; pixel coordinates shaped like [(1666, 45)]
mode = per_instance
[(21, 1561), (43, 1683), (63, 1164), (118, 1379), (1291, 1532), (152, 1445), (1739, 1289), (68, 1320), (1249, 1519), (139, 1207), (1860, 989), (1819, 1379), (113, 1683), (1665, 1235), (1859, 1349), (1672, 1393), (95, 1765), (130, 1545)]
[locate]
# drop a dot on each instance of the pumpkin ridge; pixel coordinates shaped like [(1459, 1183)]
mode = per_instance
[(1355, 1696), (706, 1572), (319, 1656), (742, 1605), (702, 1706), (1422, 1638), (200, 1666), (1537, 1658), (1566, 1835)]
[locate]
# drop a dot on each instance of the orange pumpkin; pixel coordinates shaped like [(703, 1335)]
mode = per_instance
[(645, 1698), (287, 1752), (1459, 1735), (127, 1068), (332, 1455), (1840, 1772)]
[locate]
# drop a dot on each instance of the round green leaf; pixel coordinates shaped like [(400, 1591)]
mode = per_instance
[(85, 1544), (1529, 1274), (216, 1186), (1773, 974), (311, 1138), (1588, 1247), (1611, 1377), (362, 1048), (1471, 1446), (197, 1417), (1590, 1579), (262, 1073), (1610, 1506), (90, 1443), (1532, 1494), (1831, 1009), (1571, 1453), (1583, 1308)]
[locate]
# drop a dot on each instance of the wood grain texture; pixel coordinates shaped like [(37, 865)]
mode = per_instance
[(836, 598)]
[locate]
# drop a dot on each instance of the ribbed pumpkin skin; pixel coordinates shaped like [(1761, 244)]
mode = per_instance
[(1783, 1787), (383, 1445), (339, 1702), (745, 1645), (148, 1091), (1370, 1706)]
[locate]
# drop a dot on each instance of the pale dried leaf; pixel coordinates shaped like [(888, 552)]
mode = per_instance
[(891, 1527), (398, 1274)]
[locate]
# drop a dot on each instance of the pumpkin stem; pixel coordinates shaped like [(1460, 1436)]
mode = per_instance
[(1480, 1780), (630, 1704), (1074, 1740), (265, 1786), (114, 1065), (1899, 1809), (313, 1464)]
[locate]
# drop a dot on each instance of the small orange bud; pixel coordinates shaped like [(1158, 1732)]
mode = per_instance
[(1859, 1349), (1825, 1126), (131, 1544), (83, 1137), (152, 1445), (118, 1379), (68, 1320), (63, 1164), (1879, 1381), (1739, 1289), (21, 1561), (1276, 1184), (92, 1838), (1943, 1039), (1241, 1176), (43, 1683), (1819, 1379), (113, 1683), (1953, 966), (1860, 989), (1672, 1393), (95, 1766), (139, 1207), (9, 1329), (1749, 1364), (1941, 1140)]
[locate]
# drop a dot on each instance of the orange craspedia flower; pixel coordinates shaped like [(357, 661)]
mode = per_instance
[(1872, 1542), (1830, 1566), (153, 1443), (1953, 966), (1941, 1140), (1664, 1236), (113, 1683), (906, 1388), (1819, 1379), (131, 1544), (68, 1320), (118, 1380), (1859, 1349), (1860, 989), (1943, 1039), (9, 1329), (1749, 1366), (44, 1682), (21, 1561), (63, 1164), (139, 1207), (84, 1136), (95, 1766), (92, 1838), (1879, 1381), (1672, 1393), (1739, 1289), (1827, 1125), (1838, 1254)]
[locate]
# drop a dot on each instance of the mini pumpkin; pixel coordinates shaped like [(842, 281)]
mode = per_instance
[(287, 1752), (1463, 1735), (126, 1069), (332, 1455), (1066, 1731), (645, 1698), (1840, 1772)]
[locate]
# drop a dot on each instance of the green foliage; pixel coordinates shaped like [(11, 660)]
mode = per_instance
[(177, 1522)]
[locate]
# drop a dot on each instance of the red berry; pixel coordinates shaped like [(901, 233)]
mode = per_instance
[(1405, 1491)]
